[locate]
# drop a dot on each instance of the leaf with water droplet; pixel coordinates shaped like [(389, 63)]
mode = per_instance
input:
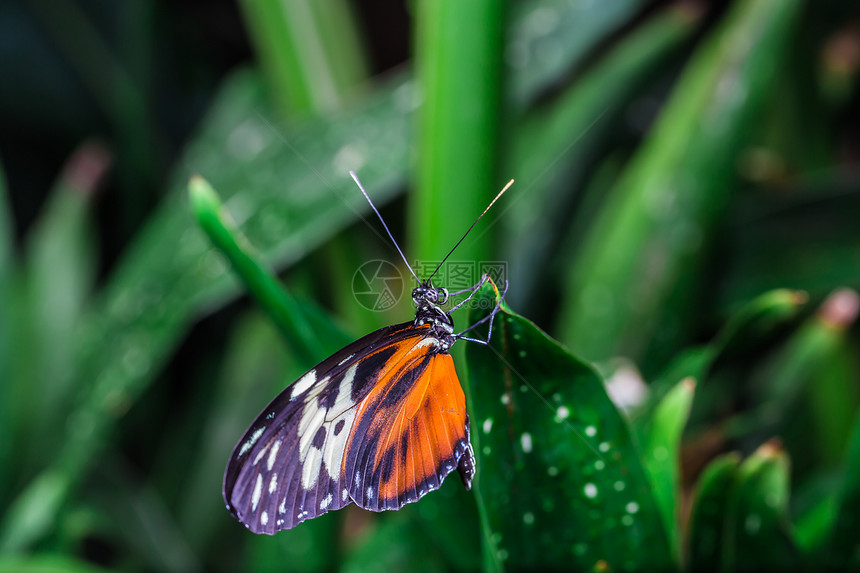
[(560, 481)]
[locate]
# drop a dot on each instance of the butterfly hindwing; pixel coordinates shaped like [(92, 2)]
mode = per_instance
[(381, 423)]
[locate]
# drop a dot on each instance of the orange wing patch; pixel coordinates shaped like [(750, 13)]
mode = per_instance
[(412, 428)]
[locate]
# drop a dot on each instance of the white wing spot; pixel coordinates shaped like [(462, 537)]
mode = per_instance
[(273, 453), (369, 493), (260, 454), (251, 441), (325, 502), (311, 468), (283, 507), (258, 491), (302, 384), (345, 360), (264, 518), (273, 485), (344, 495)]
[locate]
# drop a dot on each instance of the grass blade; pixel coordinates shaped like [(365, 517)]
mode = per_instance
[(645, 244)]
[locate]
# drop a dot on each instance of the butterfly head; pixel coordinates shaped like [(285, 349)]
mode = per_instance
[(427, 299)]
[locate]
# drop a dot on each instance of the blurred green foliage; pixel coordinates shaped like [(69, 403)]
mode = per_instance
[(684, 223)]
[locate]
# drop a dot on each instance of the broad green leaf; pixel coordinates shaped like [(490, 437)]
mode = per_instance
[(661, 452), (844, 547), (559, 477), (630, 287), (708, 530), (759, 524)]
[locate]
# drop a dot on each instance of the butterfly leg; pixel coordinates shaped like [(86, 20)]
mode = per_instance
[(490, 317), (484, 278)]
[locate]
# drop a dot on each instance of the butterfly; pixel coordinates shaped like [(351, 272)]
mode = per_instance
[(380, 423)]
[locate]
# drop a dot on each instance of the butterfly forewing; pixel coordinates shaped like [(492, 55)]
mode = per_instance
[(380, 423)]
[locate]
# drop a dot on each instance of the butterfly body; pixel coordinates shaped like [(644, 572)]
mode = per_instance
[(380, 423)]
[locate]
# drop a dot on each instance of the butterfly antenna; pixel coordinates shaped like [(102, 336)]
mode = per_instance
[(466, 234), (387, 230)]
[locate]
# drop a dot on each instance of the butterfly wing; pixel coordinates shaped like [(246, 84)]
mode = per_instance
[(298, 459), (412, 430), (287, 466)]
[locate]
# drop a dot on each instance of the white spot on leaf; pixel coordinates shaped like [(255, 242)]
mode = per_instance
[(488, 425), (526, 442)]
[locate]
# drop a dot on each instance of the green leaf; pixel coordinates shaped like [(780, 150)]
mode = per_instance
[(745, 330), (308, 50), (59, 250), (811, 380), (375, 552), (46, 564), (458, 59), (634, 272), (762, 538), (555, 145), (551, 37), (844, 547), (263, 285), (708, 533), (559, 477), (661, 451)]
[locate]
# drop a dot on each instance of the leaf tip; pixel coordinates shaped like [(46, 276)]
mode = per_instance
[(203, 196), (689, 384), (771, 449)]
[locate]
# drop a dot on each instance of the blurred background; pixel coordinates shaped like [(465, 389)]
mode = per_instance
[(675, 163)]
